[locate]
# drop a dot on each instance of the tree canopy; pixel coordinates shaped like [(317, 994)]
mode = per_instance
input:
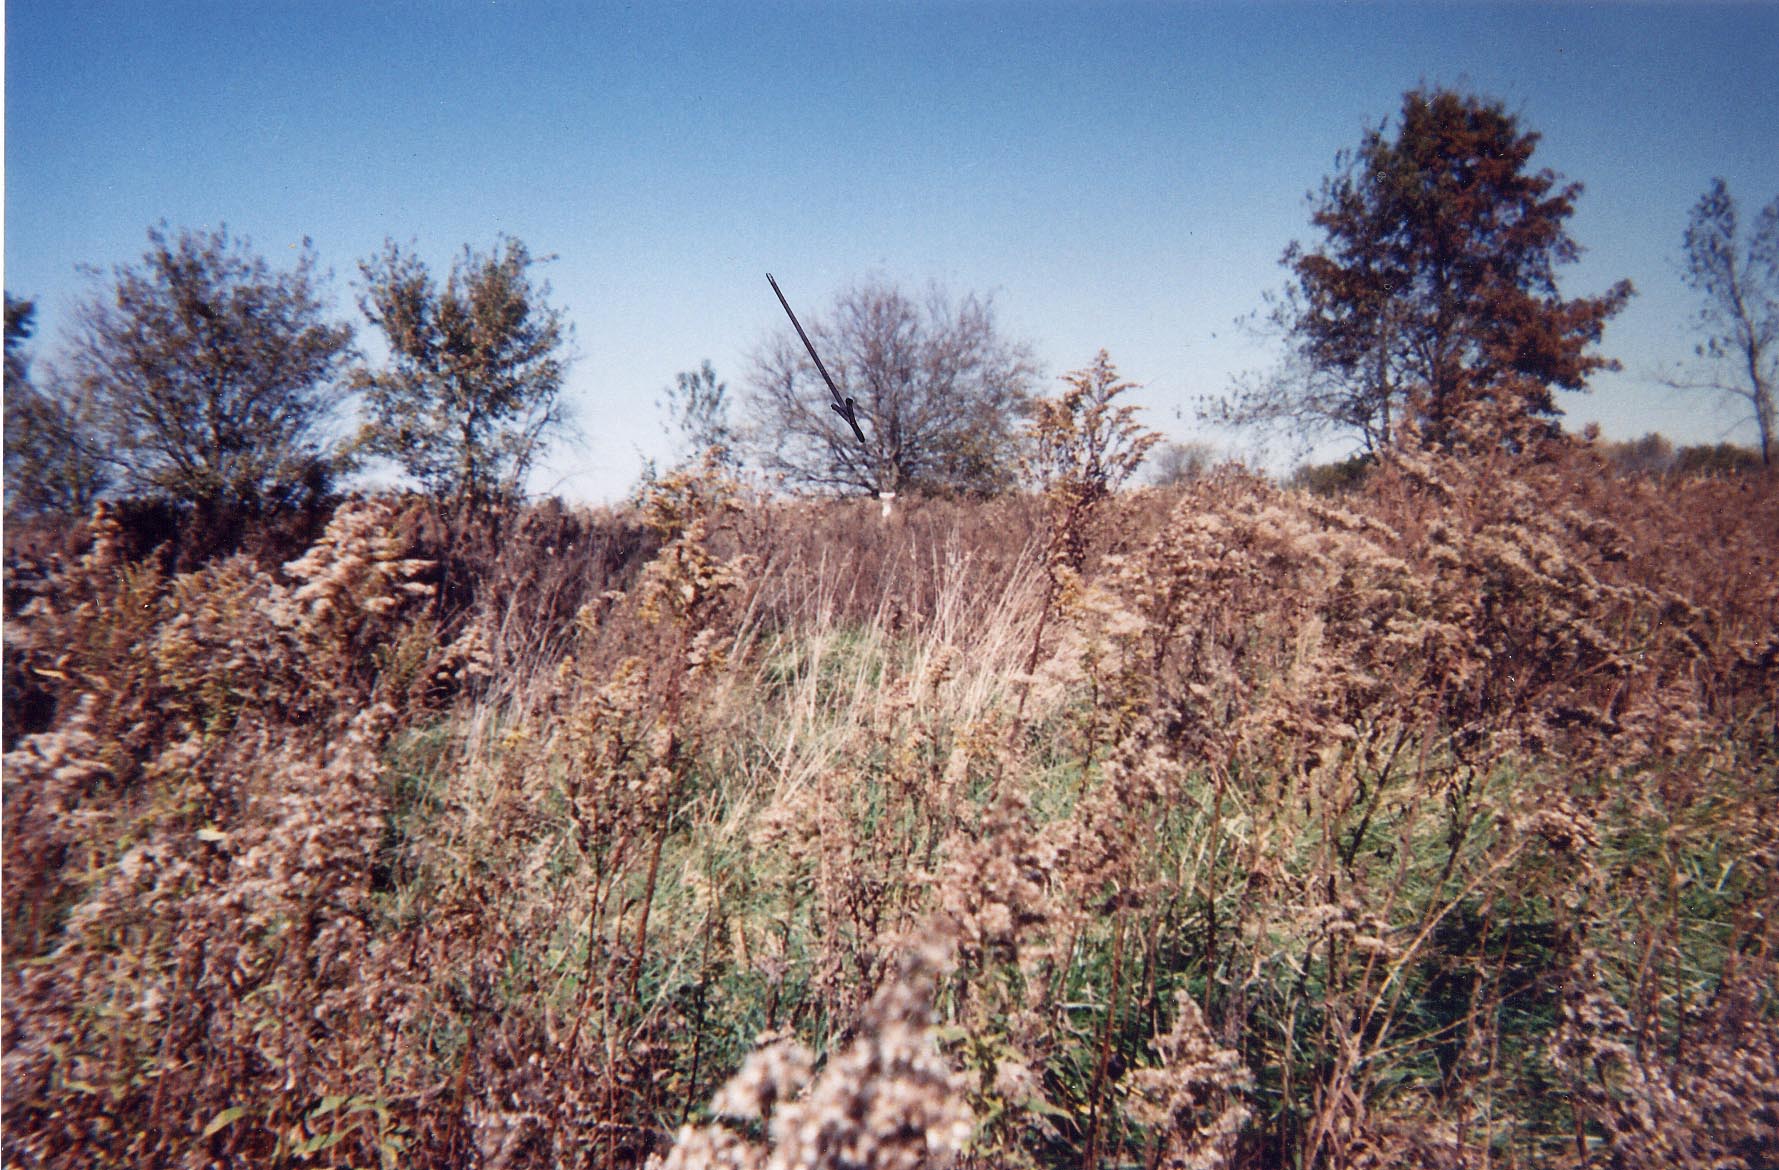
[(472, 390), (1434, 288), (938, 389), (211, 378)]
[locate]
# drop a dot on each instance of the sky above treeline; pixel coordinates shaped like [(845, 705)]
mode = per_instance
[(1122, 176)]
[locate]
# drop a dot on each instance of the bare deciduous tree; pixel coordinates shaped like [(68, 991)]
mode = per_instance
[(938, 390), (1738, 282)]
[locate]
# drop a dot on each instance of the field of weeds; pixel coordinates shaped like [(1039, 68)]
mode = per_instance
[(1431, 825)]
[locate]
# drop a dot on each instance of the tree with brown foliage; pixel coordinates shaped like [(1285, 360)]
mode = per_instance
[(1738, 284), (212, 378), (1435, 286), (938, 388), (472, 391)]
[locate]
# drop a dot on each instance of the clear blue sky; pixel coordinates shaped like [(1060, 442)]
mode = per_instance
[(1117, 175)]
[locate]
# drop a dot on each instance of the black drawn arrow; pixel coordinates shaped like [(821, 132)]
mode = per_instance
[(841, 406)]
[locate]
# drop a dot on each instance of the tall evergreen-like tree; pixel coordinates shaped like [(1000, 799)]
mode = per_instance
[(472, 391), (1434, 289), (1737, 279), (211, 378)]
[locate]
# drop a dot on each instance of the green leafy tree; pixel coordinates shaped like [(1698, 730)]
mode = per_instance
[(210, 378), (938, 390), (1332, 479), (1737, 280), (1434, 290), (472, 390)]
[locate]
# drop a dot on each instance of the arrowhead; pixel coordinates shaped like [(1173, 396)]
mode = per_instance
[(846, 412)]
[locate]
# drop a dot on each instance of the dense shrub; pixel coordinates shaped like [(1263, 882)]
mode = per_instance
[(1333, 479)]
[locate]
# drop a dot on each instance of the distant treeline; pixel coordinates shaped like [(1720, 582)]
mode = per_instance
[(1653, 454)]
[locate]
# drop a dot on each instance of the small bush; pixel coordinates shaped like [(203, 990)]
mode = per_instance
[(1332, 479)]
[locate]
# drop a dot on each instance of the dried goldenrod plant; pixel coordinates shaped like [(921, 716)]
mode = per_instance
[(1227, 826)]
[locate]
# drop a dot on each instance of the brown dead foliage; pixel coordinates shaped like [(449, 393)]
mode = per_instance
[(1429, 825)]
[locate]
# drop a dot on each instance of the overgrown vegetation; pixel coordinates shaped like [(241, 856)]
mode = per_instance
[(1416, 813), (1426, 826)]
